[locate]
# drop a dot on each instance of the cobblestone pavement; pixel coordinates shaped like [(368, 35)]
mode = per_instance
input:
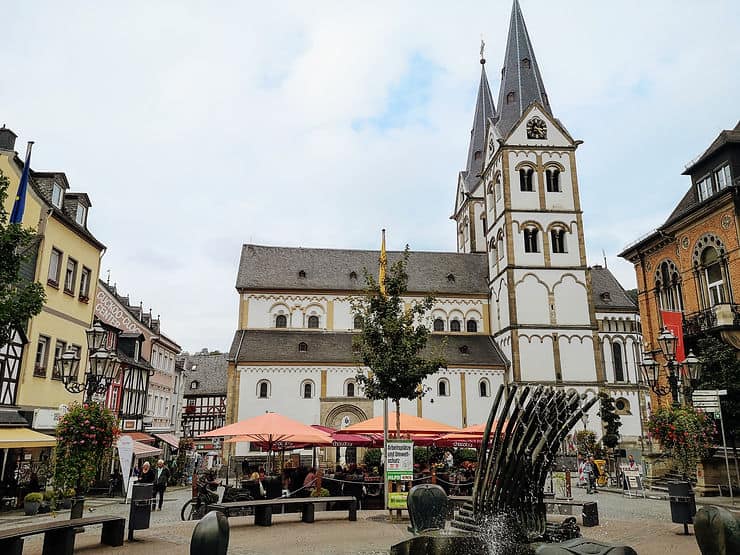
[(645, 524)]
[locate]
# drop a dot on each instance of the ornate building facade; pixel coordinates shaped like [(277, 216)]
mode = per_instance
[(515, 303)]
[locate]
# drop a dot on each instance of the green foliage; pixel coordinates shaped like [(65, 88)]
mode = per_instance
[(686, 433), (585, 442), (178, 472), (611, 420), (392, 340), (421, 455), (85, 435), (323, 492), (19, 299), (33, 498), (50, 496), (372, 458), (464, 454), (722, 371)]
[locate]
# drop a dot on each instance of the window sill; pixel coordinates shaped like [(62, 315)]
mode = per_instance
[(68, 292), (83, 299), (40, 373), (57, 378), (52, 283)]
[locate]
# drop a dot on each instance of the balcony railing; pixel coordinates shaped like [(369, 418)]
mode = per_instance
[(719, 316)]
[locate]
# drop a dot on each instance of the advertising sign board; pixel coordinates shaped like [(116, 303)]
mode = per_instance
[(400, 460)]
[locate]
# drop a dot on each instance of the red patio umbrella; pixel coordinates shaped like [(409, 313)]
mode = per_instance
[(339, 438)]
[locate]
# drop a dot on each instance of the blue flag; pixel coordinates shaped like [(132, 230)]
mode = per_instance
[(16, 216)]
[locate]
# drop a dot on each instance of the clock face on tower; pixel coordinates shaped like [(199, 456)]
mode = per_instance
[(536, 129)]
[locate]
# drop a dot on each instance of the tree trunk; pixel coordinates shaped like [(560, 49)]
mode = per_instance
[(398, 418)]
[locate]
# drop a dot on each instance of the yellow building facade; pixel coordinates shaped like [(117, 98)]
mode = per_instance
[(65, 259)]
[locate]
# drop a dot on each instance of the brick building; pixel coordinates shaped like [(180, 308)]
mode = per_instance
[(691, 263)]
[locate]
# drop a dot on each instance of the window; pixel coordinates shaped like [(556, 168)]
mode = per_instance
[(713, 276), (500, 245), (526, 64), (302, 274), (704, 188), (668, 286), (439, 324), (59, 348), (281, 321), (477, 155), (443, 388), (557, 237), (302, 347), (70, 275), (618, 365), (85, 283), (350, 389), (56, 195), (525, 179), (483, 388), (263, 389), (357, 323), (454, 325), (510, 97), (55, 264), (552, 175), (42, 355), (313, 322), (353, 275), (622, 405), (472, 326), (81, 214), (530, 240), (722, 177), (307, 390), (464, 350), (451, 278)]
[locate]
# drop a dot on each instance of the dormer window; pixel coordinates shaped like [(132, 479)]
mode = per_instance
[(451, 278), (302, 347), (722, 177), (526, 64), (477, 155), (56, 195), (194, 384), (81, 215), (302, 274), (510, 97), (704, 188), (606, 297), (464, 350), (353, 275)]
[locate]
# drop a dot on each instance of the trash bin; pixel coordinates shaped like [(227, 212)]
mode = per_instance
[(141, 508), (590, 514), (683, 504)]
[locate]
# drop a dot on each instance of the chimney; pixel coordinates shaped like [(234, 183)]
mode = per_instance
[(7, 139)]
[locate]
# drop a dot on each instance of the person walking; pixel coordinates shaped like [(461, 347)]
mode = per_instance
[(146, 476), (161, 479), (588, 472)]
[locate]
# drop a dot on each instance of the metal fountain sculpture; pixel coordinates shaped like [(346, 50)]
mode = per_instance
[(507, 513)]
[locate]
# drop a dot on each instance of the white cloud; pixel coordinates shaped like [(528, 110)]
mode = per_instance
[(195, 129)]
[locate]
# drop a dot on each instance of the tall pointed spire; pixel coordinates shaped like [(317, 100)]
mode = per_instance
[(521, 82), (484, 109)]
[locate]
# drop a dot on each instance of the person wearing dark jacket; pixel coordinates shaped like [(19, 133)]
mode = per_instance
[(161, 479), (146, 476)]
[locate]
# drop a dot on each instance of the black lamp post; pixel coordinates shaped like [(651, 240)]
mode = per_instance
[(103, 366), (692, 365)]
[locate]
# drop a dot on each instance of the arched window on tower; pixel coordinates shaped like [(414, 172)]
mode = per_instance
[(552, 176), (454, 325), (557, 239), (439, 324), (443, 388), (281, 321), (472, 326), (483, 388), (350, 389), (307, 389), (618, 362), (526, 176), (511, 97), (500, 244), (313, 322), (531, 243), (263, 389)]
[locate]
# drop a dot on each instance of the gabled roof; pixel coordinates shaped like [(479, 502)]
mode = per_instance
[(484, 109), (607, 293), (281, 346), (725, 137), (520, 75), (208, 370), (281, 268)]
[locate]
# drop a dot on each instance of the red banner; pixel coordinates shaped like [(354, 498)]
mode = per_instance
[(674, 322)]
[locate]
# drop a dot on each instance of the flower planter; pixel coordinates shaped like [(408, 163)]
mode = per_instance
[(66, 503), (78, 505), (31, 507)]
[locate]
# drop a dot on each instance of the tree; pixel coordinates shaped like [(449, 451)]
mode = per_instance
[(20, 299), (585, 443), (611, 420), (721, 370), (391, 342)]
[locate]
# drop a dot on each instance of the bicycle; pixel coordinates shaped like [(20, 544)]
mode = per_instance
[(196, 507)]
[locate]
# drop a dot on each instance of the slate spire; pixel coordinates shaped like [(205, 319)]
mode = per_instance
[(484, 109), (521, 82)]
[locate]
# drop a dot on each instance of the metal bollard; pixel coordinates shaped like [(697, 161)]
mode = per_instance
[(211, 535)]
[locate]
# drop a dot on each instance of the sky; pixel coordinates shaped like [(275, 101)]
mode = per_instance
[(196, 127)]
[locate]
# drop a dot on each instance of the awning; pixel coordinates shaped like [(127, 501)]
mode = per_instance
[(13, 438), (139, 436), (170, 439), (144, 450)]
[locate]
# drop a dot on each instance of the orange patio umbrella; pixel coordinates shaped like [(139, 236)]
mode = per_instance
[(271, 429), (409, 425)]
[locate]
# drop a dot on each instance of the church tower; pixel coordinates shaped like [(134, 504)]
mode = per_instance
[(470, 212), (542, 314)]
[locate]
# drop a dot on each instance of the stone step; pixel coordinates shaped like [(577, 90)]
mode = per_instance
[(464, 526), (467, 520)]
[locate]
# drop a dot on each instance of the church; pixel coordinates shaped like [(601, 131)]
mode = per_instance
[(517, 302)]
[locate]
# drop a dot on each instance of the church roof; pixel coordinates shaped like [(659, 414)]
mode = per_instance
[(520, 75), (281, 346), (607, 293), (440, 273), (484, 109)]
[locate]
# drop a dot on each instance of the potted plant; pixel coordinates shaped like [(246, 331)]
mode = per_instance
[(32, 502), (85, 434), (320, 492), (66, 496)]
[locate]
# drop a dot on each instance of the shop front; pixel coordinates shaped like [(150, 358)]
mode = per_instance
[(25, 457)]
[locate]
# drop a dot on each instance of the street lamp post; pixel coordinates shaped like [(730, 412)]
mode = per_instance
[(103, 367), (690, 367)]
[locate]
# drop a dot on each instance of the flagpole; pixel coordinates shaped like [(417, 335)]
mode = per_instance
[(381, 283)]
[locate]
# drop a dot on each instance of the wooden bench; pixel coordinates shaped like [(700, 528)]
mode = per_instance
[(263, 507), (59, 535)]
